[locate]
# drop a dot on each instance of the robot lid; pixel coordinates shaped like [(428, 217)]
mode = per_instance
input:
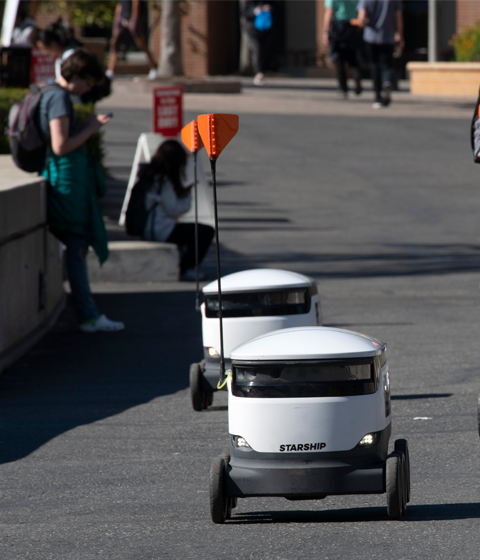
[(260, 279), (308, 343)]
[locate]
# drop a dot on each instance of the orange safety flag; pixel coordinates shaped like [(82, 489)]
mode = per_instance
[(191, 137), (216, 131)]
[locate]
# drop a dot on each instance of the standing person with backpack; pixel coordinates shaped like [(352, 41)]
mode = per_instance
[(166, 199), (344, 41), (382, 21), (75, 182)]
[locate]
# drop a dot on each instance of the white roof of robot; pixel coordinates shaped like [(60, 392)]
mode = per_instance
[(308, 343), (259, 279)]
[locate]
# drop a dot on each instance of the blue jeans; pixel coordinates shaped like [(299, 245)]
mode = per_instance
[(75, 254)]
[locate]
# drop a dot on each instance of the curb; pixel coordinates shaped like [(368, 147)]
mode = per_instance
[(136, 261), (143, 85)]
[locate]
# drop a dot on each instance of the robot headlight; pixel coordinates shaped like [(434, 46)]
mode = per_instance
[(368, 439), (211, 351), (241, 443)]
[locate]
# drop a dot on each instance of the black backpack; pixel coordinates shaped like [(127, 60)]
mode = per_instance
[(137, 213), (27, 144)]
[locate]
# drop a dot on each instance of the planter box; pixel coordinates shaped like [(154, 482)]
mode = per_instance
[(456, 79)]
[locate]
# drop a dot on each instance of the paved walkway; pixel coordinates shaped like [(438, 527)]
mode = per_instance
[(101, 455), (281, 96)]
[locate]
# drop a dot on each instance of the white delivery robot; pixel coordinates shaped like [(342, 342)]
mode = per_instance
[(309, 417), (254, 302)]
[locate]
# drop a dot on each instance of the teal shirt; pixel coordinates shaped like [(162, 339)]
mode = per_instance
[(76, 184), (342, 9)]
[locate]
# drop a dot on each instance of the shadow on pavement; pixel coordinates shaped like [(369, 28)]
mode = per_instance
[(429, 512), (425, 396), (419, 259), (70, 378)]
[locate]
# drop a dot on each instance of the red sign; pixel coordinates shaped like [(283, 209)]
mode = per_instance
[(42, 66), (167, 110)]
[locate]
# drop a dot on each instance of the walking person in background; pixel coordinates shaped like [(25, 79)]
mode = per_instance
[(25, 32), (75, 182), (166, 200), (344, 41), (382, 23), (130, 17), (259, 24), (59, 42)]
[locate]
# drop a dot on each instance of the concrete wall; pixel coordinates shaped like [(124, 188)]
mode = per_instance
[(31, 283), (456, 79)]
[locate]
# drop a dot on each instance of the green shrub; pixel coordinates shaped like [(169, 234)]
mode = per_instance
[(467, 44), (9, 96)]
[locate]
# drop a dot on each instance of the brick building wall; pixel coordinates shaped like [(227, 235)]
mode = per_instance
[(208, 37), (468, 13)]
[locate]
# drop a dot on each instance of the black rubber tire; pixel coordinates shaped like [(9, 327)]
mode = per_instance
[(207, 399), (403, 481), (196, 391), (218, 499), (402, 445), (228, 512), (394, 485)]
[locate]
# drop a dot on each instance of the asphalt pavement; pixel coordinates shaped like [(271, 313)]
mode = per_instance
[(101, 454)]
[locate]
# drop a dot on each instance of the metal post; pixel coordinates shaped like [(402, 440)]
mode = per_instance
[(197, 297), (432, 31), (217, 241)]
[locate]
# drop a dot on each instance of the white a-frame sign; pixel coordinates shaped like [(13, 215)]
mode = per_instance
[(147, 145)]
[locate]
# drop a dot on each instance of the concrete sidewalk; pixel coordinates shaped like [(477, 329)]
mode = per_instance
[(282, 97), (299, 96)]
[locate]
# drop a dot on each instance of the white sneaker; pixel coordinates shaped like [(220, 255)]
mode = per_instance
[(259, 79), (110, 74), (102, 324), (377, 105), (152, 74)]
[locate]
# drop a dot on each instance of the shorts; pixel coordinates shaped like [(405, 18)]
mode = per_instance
[(134, 26)]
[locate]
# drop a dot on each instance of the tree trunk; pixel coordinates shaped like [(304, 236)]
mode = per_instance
[(245, 62), (170, 63)]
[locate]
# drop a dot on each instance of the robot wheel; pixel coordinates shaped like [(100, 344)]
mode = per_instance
[(200, 399), (221, 505), (398, 480)]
